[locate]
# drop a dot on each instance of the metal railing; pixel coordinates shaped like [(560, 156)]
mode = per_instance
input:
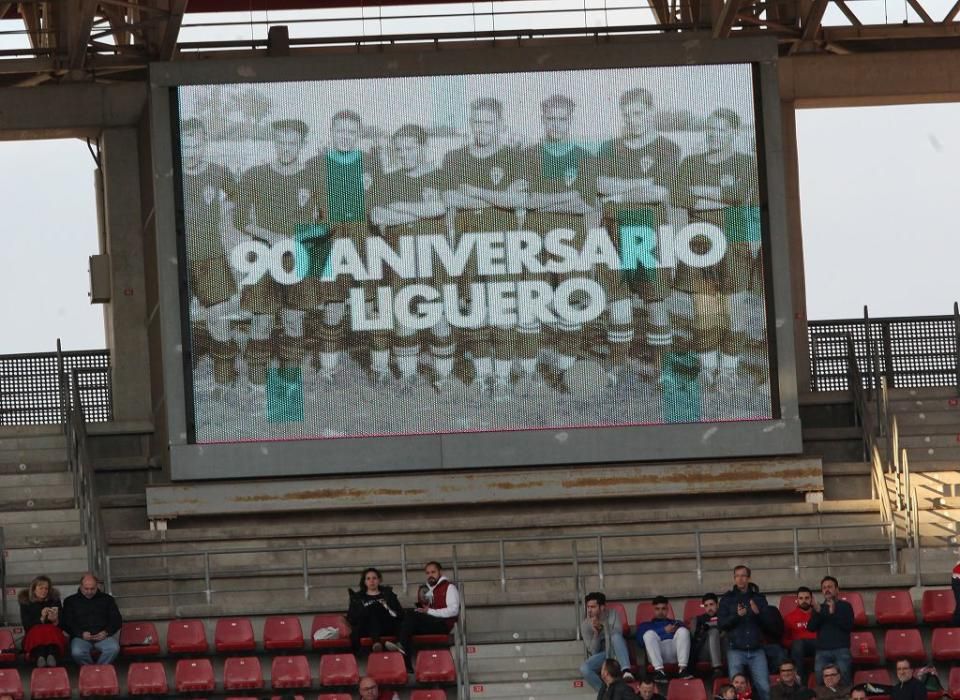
[(3, 576), (84, 486)]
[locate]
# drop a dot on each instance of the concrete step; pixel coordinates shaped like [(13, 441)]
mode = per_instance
[(42, 455), (923, 393), (533, 690), (525, 649), (41, 441), (35, 480), (947, 439), (937, 418), (930, 453), (936, 403), (27, 431), (57, 562)]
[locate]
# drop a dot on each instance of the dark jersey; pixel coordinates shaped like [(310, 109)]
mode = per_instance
[(345, 182), (738, 212), (657, 160), (553, 168), (400, 186), (281, 203), (497, 171), (206, 196)]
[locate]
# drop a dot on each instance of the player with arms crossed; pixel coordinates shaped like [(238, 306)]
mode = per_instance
[(409, 204), (562, 178), (277, 203), (209, 208), (720, 187), (486, 189), (636, 173), (345, 177)]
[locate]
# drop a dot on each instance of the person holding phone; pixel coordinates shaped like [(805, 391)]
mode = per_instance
[(40, 608)]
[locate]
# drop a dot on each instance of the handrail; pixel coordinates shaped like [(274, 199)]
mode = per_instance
[(3, 576), (460, 646)]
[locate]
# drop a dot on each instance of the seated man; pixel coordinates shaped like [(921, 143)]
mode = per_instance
[(648, 690), (602, 632), (797, 639), (436, 613), (92, 620), (788, 686), (665, 640), (706, 635), (614, 687), (369, 690), (907, 686), (833, 687)]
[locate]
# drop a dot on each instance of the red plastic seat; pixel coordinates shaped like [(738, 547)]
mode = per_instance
[(290, 672), (187, 637), (863, 649), (330, 620), (680, 689), (8, 647), (894, 608), (387, 668), (139, 639), (146, 679), (904, 644), (645, 612), (50, 683), (788, 603), (434, 666), (859, 609), (194, 676), (98, 680), (945, 644), (339, 669), (719, 683), (10, 683), (692, 609), (937, 606), (242, 673), (334, 696), (234, 634), (438, 694), (282, 632), (622, 612), (953, 683), (873, 675), (429, 641)]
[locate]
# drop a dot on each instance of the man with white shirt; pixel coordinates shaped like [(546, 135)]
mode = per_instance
[(436, 614)]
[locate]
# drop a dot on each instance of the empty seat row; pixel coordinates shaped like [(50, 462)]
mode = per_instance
[(905, 643)]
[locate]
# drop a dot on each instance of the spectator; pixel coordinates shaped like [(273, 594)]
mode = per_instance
[(727, 692), (614, 686), (742, 687), (833, 687), (374, 611), (40, 612), (832, 622), (436, 613), (369, 690), (907, 687), (788, 686), (665, 640), (796, 637), (740, 617), (648, 690), (706, 635), (602, 632), (858, 693), (92, 620), (955, 585), (771, 622)]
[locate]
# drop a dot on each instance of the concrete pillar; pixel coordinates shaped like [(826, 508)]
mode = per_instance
[(126, 314), (795, 243)]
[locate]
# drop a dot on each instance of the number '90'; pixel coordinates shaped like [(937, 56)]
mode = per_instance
[(287, 261)]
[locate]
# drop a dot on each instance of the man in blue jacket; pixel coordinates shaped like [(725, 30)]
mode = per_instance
[(832, 622), (741, 616), (665, 640)]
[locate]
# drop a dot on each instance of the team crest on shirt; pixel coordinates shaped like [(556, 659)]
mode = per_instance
[(496, 175), (303, 196), (367, 181), (569, 176), (646, 163)]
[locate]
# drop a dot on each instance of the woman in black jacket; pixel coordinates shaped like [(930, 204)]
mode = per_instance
[(374, 611), (40, 610)]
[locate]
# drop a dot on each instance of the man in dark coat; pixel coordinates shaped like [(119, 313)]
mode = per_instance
[(92, 620), (614, 687)]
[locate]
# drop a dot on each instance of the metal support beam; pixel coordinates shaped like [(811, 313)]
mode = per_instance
[(724, 20), (811, 25), (171, 30), (952, 14), (918, 8), (848, 13), (79, 32)]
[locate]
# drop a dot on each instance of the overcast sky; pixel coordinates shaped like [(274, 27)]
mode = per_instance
[(878, 192)]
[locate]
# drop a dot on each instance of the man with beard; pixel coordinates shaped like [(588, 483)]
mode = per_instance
[(485, 186), (437, 616), (797, 639)]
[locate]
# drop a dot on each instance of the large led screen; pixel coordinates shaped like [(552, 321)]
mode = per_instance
[(468, 253)]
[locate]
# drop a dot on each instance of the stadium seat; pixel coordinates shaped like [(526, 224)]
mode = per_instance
[(428, 695), (282, 632), (894, 608), (945, 644), (339, 669), (98, 681), (242, 673), (719, 683), (691, 609), (146, 679), (8, 647), (622, 612), (788, 603), (863, 649), (937, 606), (873, 675), (904, 644), (234, 634), (50, 683), (434, 666), (187, 637), (194, 676), (334, 696), (859, 609), (335, 621), (430, 641), (387, 668), (139, 639), (10, 683), (680, 689), (953, 683), (290, 672), (645, 612)]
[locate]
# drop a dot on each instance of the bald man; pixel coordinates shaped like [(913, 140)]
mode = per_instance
[(92, 620)]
